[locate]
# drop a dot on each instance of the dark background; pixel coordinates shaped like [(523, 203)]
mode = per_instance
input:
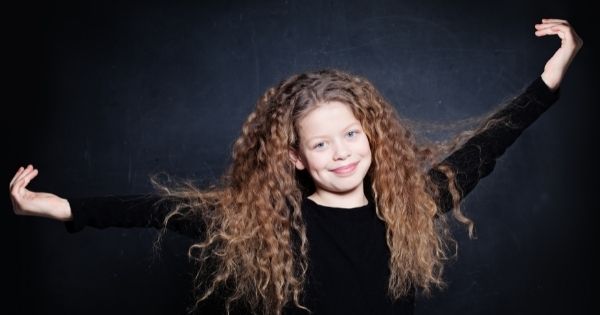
[(101, 94)]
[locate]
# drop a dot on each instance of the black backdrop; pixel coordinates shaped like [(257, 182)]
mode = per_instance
[(100, 94)]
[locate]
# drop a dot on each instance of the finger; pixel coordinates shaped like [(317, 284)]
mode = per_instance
[(24, 173), (561, 30), (546, 25), (555, 21), (545, 32), (19, 171), (25, 180)]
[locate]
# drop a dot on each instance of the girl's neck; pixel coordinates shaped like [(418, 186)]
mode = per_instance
[(354, 199)]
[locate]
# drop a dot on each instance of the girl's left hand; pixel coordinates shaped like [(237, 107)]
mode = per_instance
[(557, 65)]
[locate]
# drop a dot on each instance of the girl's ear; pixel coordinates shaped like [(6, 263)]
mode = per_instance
[(296, 159)]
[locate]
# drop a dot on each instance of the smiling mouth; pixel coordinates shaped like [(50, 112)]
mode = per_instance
[(345, 169)]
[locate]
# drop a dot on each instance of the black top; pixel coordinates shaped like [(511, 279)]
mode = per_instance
[(348, 256), (348, 268)]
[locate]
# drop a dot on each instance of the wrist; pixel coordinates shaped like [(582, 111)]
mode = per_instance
[(552, 81), (66, 214)]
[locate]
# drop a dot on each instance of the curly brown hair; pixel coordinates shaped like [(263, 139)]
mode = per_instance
[(254, 245)]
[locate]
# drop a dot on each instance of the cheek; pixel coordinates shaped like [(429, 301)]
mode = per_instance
[(365, 148), (323, 161), (317, 161)]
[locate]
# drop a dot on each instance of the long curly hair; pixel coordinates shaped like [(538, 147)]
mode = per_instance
[(254, 248)]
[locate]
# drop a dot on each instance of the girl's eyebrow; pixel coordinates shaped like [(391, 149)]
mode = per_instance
[(324, 136)]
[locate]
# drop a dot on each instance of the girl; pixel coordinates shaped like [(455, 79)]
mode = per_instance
[(329, 206)]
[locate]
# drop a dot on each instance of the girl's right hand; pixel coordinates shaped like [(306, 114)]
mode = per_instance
[(40, 204)]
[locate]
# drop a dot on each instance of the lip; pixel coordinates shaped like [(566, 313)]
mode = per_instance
[(345, 169)]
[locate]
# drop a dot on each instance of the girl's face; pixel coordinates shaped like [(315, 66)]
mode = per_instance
[(333, 149)]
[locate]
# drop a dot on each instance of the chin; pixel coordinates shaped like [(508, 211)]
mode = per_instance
[(349, 187)]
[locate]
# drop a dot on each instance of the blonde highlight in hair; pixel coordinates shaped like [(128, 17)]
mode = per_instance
[(254, 248)]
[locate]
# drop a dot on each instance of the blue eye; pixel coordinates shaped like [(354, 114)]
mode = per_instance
[(353, 133), (318, 145)]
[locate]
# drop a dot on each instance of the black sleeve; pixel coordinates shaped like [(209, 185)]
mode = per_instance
[(477, 157), (127, 211)]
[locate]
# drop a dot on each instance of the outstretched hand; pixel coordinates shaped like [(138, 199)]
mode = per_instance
[(41, 204), (570, 43)]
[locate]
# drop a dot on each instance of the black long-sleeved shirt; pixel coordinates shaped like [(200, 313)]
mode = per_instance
[(348, 256)]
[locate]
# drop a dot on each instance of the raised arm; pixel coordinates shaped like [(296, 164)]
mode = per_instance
[(98, 212), (477, 157)]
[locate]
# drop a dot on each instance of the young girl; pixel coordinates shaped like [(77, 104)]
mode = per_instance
[(329, 206)]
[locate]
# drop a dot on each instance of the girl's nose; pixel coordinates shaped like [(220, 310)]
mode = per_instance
[(341, 152)]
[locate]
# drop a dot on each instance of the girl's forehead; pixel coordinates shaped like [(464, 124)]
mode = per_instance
[(326, 109), (327, 117)]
